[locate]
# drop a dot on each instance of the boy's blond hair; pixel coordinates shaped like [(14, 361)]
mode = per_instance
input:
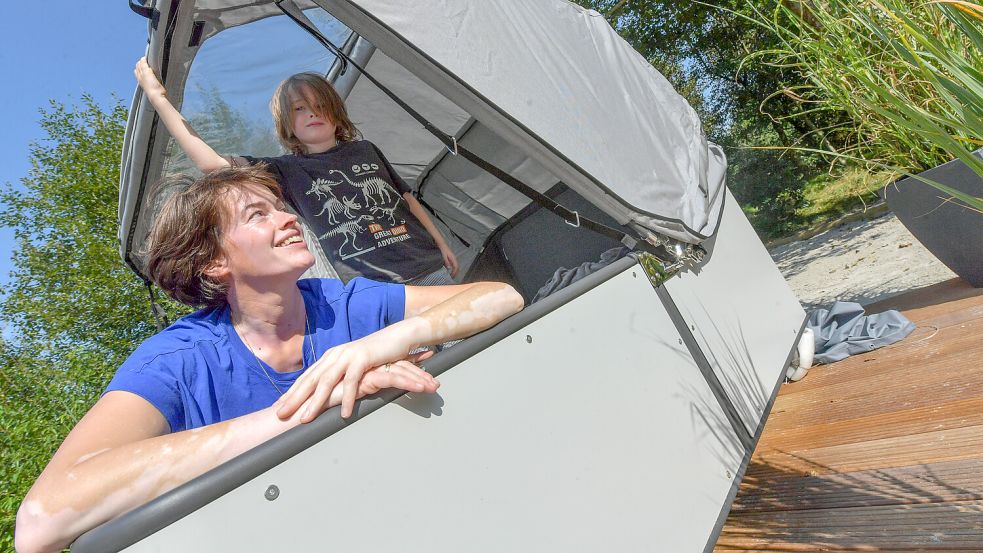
[(323, 99)]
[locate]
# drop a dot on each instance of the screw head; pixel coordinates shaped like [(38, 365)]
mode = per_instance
[(528, 339), (272, 492)]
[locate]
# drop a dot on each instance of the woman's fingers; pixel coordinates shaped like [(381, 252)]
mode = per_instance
[(318, 403), (402, 375), (305, 386), (352, 378), (312, 392), (405, 372), (288, 403)]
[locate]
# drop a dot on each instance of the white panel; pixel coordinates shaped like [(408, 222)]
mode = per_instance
[(598, 435), (744, 314)]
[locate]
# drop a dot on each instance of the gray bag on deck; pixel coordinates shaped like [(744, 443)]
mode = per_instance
[(844, 330)]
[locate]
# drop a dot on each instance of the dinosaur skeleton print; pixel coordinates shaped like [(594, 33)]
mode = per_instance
[(352, 199), (349, 215)]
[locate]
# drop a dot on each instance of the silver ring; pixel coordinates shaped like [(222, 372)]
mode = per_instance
[(388, 366)]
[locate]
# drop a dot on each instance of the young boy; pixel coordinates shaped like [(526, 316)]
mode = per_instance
[(363, 213)]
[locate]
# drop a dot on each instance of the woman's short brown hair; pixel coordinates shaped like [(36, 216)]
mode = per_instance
[(187, 234), (322, 98)]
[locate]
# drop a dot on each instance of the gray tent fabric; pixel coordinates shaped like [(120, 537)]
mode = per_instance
[(557, 81), (843, 330), (564, 277), (546, 90)]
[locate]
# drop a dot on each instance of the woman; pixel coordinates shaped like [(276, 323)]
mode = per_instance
[(268, 352)]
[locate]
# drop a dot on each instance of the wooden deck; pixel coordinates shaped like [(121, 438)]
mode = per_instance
[(878, 452)]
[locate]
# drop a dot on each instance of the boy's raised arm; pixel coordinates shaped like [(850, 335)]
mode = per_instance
[(201, 154)]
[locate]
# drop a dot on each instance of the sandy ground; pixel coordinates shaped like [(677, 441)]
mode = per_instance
[(863, 262)]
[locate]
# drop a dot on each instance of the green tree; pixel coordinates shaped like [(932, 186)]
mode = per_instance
[(72, 309), (37, 407), (769, 184)]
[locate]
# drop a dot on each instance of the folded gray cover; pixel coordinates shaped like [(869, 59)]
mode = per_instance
[(564, 277), (844, 330)]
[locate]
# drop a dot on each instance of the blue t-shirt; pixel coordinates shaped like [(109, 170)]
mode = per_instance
[(198, 371)]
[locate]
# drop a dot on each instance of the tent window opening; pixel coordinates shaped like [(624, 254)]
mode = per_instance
[(495, 232), (233, 76)]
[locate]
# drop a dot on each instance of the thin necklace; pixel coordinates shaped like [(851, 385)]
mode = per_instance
[(259, 362)]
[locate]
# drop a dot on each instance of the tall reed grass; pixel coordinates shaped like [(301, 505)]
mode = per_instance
[(907, 73)]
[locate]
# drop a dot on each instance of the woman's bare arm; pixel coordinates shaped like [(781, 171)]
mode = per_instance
[(104, 469), (433, 315)]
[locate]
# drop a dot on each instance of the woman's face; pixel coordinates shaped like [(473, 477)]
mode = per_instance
[(261, 239)]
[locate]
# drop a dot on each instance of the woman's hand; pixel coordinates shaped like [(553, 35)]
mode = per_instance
[(434, 314), (318, 388), (403, 375), (147, 79)]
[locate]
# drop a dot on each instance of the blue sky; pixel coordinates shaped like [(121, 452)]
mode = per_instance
[(59, 50)]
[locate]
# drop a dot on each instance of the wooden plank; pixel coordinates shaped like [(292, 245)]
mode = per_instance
[(947, 319), (879, 452), (902, 422), (920, 343), (955, 525), (943, 297), (812, 547), (940, 482), (925, 380), (928, 447), (922, 346)]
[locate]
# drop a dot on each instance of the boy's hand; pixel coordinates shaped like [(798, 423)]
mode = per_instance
[(450, 260), (147, 79)]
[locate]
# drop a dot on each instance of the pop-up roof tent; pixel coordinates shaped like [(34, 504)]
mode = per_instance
[(634, 440), (498, 77)]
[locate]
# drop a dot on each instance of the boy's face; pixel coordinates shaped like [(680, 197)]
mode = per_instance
[(316, 133)]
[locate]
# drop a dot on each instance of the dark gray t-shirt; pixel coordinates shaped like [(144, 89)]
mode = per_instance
[(353, 201)]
